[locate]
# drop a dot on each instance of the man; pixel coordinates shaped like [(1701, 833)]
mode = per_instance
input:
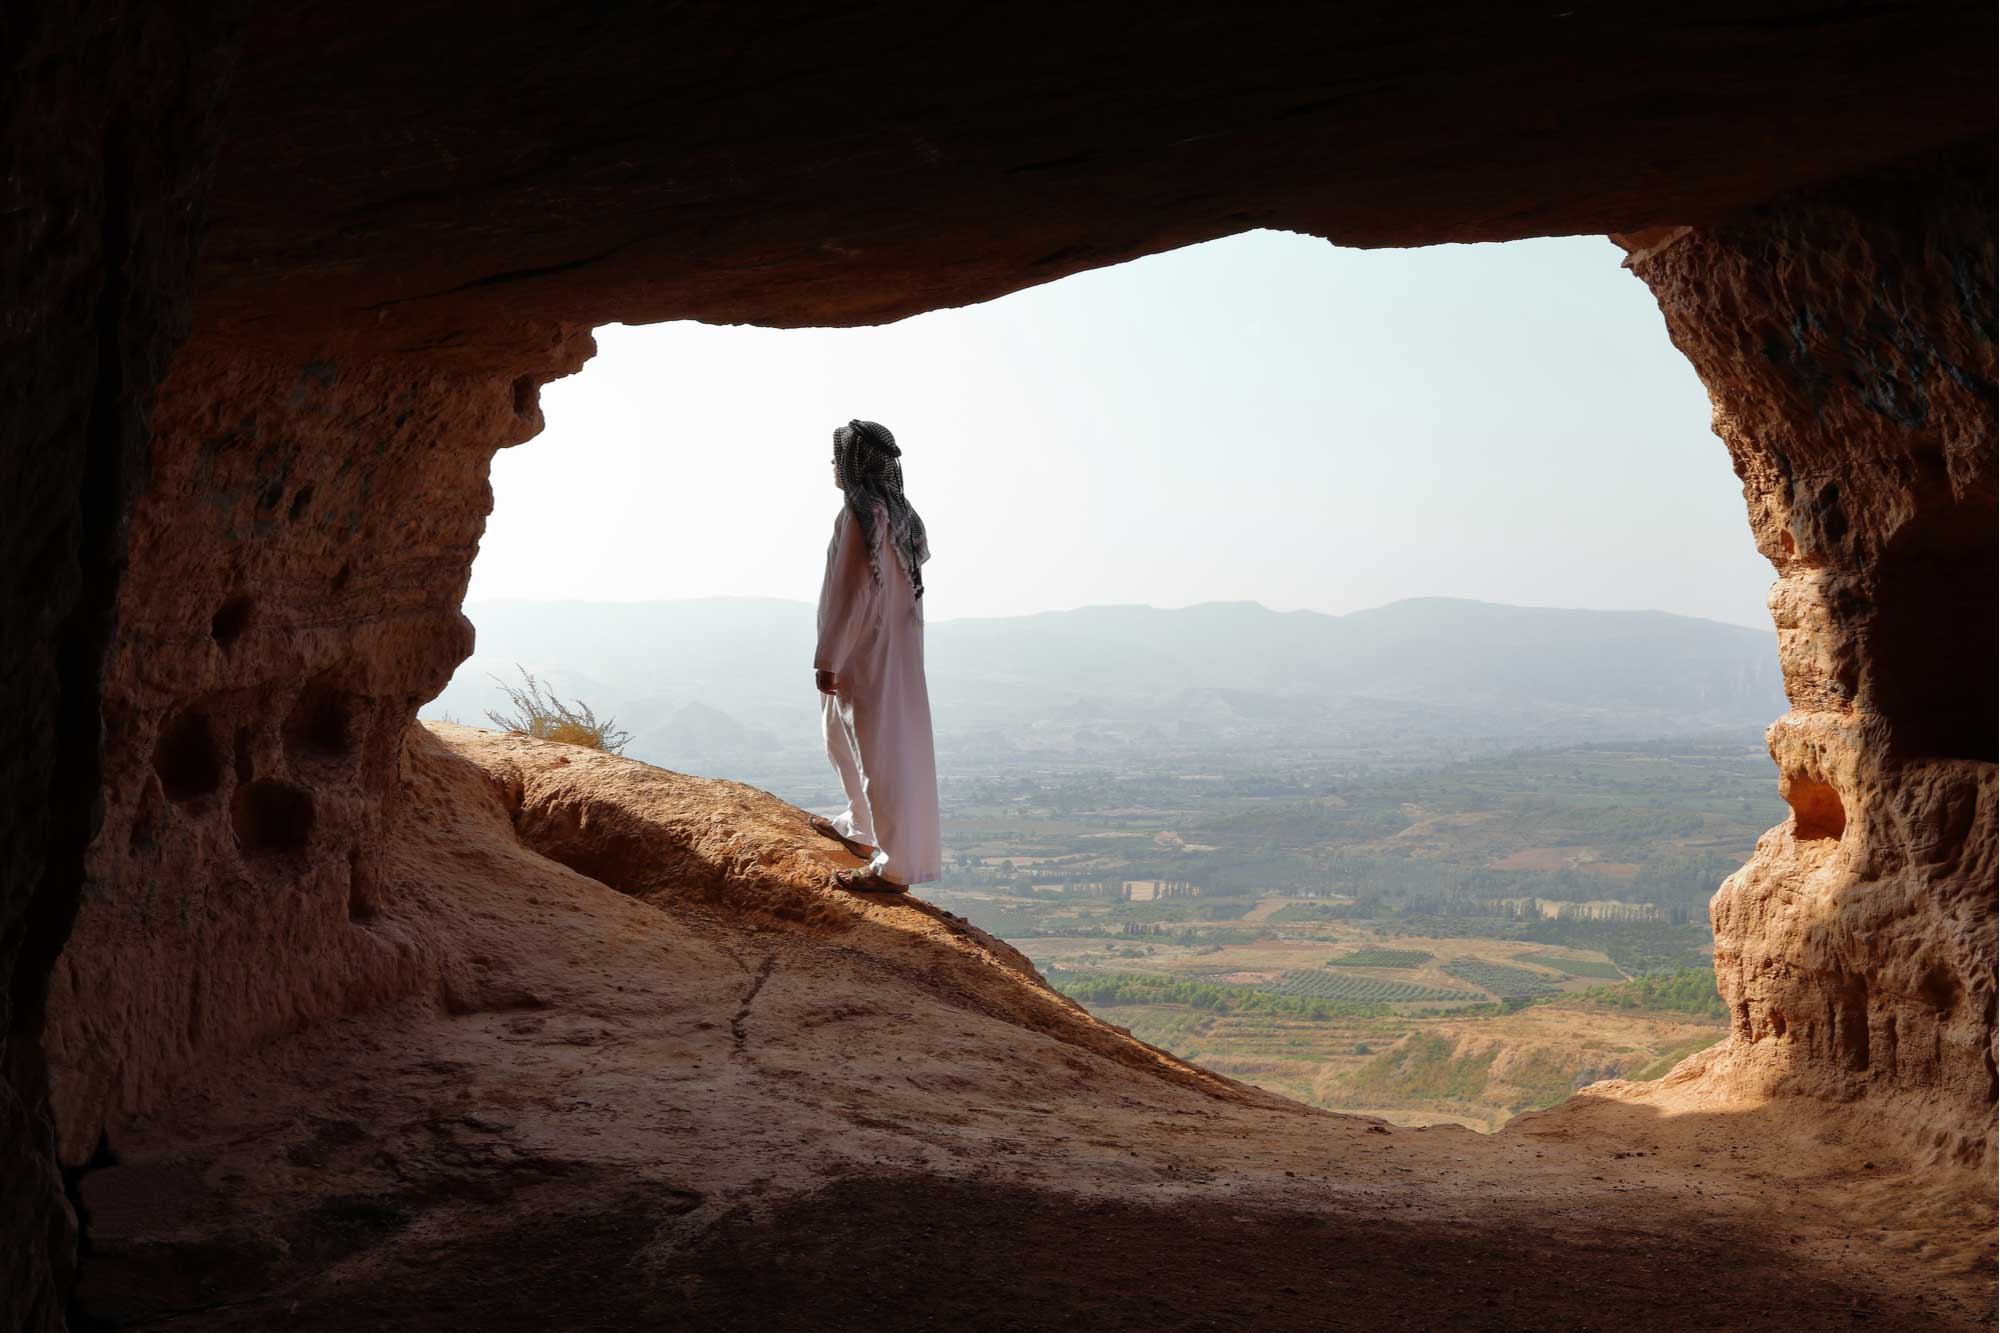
[(869, 666)]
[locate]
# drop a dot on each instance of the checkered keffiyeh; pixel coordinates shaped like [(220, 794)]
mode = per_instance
[(866, 455)]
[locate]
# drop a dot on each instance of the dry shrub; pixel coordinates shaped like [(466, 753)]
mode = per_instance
[(546, 717)]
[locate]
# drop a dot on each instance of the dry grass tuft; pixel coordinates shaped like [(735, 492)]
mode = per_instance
[(546, 717)]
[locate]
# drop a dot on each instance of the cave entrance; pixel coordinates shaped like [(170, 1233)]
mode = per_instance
[(1258, 727)]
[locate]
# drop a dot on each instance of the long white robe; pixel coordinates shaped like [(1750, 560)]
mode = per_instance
[(878, 722)]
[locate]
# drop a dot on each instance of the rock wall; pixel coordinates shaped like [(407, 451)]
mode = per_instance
[(1847, 341), (297, 567), (107, 131)]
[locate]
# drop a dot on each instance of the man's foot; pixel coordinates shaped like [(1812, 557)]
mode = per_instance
[(824, 827), (866, 881)]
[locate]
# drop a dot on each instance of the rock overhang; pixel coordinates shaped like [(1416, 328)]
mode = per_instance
[(444, 181)]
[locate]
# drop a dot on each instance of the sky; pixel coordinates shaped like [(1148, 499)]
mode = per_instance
[(1263, 418)]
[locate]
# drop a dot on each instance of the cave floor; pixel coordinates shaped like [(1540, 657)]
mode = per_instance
[(645, 1109)]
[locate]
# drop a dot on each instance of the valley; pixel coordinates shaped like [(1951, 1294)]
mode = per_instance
[(1454, 943)]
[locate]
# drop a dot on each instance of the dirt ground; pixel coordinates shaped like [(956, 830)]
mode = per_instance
[(691, 1089)]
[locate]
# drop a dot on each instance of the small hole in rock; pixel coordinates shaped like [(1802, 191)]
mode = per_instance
[(231, 619), (1940, 990), (319, 724), (526, 397), (187, 759), (301, 502), (341, 576), (271, 816), (1817, 811)]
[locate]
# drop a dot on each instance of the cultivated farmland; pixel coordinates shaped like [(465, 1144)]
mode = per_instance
[(1576, 967), (1321, 985), (1383, 958), (1508, 983)]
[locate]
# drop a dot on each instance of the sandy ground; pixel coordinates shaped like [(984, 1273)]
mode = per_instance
[(693, 1089)]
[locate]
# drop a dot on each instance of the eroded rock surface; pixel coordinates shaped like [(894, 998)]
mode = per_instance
[(297, 565), (1847, 340), (733, 1098)]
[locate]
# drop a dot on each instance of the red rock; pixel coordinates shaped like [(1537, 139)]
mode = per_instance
[(1852, 368)]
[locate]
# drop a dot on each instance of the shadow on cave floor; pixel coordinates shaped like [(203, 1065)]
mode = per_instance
[(921, 1253)]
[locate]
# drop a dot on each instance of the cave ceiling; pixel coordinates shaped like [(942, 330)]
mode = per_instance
[(466, 180)]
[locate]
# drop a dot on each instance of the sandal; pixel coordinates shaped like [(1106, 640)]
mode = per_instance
[(865, 880), (824, 827)]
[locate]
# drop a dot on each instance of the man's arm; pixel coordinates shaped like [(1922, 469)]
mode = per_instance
[(846, 600)]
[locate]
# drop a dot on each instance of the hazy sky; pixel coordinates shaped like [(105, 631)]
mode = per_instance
[(1263, 418)]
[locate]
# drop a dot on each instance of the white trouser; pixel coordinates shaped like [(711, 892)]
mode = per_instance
[(845, 752)]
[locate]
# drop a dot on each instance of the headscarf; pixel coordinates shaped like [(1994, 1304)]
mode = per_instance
[(865, 454)]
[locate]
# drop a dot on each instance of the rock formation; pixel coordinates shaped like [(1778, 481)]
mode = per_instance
[(1847, 341), (415, 214), (667, 1078), (297, 565)]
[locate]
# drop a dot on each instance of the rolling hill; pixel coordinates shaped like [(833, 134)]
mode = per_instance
[(723, 685)]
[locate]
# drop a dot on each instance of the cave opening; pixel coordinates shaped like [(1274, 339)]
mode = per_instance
[(1171, 439)]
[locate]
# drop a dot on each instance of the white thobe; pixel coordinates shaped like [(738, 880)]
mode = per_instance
[(878, 722)]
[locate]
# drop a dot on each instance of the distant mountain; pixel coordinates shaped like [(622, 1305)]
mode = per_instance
[(1433, 650), (724, 685)]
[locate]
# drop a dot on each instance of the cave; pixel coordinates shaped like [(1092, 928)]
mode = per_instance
[(281, 282)]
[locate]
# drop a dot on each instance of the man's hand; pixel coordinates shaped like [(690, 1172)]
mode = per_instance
[(825, 680)]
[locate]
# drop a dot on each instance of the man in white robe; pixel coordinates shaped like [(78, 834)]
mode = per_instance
[(869, 666)]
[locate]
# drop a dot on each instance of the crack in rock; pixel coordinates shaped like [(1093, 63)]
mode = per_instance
[(737, 1025)]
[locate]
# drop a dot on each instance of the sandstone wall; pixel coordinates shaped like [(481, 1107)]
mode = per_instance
[(297, 565), (1847, 341)]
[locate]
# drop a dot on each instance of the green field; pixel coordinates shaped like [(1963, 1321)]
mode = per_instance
[(1382, 958), (1294, 914), (1576, 967), (1689, 990), (1509, 983), (1128, 988), (1360, 990)]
